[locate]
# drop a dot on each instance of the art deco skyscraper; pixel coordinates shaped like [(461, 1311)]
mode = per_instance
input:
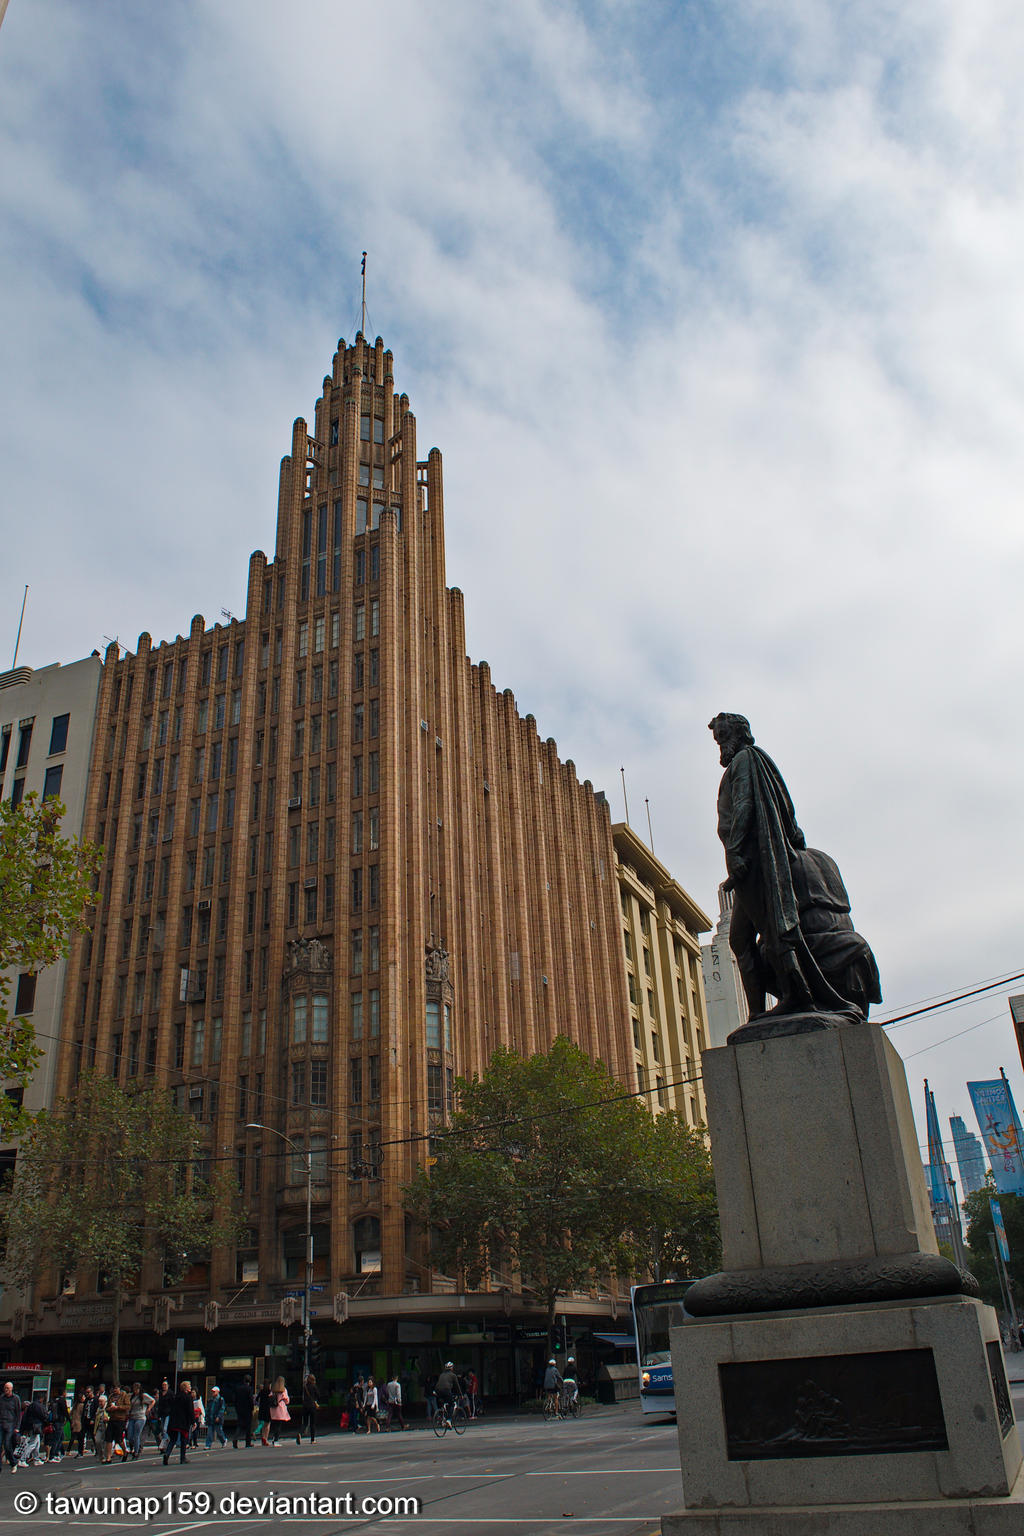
[(342, 868)]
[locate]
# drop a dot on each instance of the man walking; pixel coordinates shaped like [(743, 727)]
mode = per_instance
[(243, 1412), (181, 1421), (10, 1419)]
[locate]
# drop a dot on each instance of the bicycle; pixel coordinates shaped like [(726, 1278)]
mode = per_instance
[(552, 1406), (447, 1418), (571, 1405)]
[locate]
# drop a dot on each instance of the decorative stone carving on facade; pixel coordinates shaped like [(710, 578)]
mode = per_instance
[(307, 955), (437, 964), (163, 1306), (340, 1308), (211, 1315), (18, 1324)]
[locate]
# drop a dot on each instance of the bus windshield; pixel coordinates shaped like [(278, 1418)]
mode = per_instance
[(657, 1308)]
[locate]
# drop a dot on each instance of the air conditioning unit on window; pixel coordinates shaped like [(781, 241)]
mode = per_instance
[(310, 883), (195, 1093), (203, 906), (294, 802)]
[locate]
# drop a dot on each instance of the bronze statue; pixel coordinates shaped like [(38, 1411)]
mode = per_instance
[(791, 930)]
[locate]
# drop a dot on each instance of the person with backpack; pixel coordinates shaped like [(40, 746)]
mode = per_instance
[(264, 1406), (215, 1410)]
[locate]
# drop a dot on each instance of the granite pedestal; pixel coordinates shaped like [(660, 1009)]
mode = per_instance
[(839, 1379)]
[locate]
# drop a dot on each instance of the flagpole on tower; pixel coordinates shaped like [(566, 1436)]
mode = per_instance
[(364, 294)]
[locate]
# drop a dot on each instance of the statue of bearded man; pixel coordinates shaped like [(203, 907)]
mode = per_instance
[(791, 930)]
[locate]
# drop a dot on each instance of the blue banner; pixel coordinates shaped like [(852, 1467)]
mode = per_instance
[(997, 1122), (999, 1229)]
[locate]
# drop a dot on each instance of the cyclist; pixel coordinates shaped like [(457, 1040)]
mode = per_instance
[(552, 1386), (570, 1385), (447, 1389)]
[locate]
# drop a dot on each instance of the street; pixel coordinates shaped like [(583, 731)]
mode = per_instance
[(610, 1473)]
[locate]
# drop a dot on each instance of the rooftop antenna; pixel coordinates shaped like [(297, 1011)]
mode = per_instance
[(21, 621), (113, 640), (625, 801), (228, 615), (363, 327), (650, 834)]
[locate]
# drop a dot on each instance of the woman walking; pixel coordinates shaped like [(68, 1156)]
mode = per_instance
[(279, 1414)]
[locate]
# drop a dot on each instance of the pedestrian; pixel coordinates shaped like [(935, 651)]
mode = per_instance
[(99, 1425), (198, 1417), (430, 1391), (59, 1416), (118, 1408), (309, 1407), (215, 1419), (393, 1401), (472, 1392), (360, 1401), (265, 1404), (351, 1410), (89, 1411), (33, 1422), (139, 1408), (162, 1412), (279, 1414), (181, 1422), (243, 1412), (371, 1406), (77, 1424)]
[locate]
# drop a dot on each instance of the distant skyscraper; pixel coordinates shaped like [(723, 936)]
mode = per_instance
[(723, 989), (970, 1156), (945, 1212)]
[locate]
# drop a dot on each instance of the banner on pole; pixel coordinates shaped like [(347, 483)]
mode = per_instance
[(997, 1122)]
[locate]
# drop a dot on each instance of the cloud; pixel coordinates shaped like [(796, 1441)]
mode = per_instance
[(714, 313)]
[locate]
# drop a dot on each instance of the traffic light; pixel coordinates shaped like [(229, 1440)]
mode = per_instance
[(316, 1353)]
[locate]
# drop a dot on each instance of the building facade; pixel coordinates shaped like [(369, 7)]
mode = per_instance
[(661, 928), (970, 1157), (342, 869), (47, 720)]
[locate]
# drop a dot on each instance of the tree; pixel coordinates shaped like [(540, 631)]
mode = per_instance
[(109, 1179), (545, 1172), (979, 1225), (46, 883), (675, 1231)]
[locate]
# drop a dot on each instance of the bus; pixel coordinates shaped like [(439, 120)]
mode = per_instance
[(656, 1309)]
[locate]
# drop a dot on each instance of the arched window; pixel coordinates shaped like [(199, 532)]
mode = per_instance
[(366, 1242)]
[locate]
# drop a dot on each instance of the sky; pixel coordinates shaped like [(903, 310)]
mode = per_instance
[(715, 312)]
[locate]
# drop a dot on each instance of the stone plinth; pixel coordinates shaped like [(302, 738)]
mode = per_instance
[(889, 1411), (820, 1186)]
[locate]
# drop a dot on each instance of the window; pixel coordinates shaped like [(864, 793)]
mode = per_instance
[(360, 634), (366, 1243), (25, 1000), (24, 743), (373, 824), (299, 1012), (198, 1041), (356, 1015), (355, 1080), (51, 784), (298, 1082), (373, 773), (357, 777), (374, 948), (375, 616), (311, 904), (219, 711), (373, 1063), (319, 1035), (357, 832), (304, 638), (433, 1026), (356, 900), (357, 722), (5, 747), (374, 1013), (59, 733), (318, 1082), (357, 671)]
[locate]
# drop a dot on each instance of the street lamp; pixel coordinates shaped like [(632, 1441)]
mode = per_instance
[(256, 1126)]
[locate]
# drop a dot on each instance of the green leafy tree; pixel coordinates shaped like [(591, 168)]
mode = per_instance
[(46, 890), (109, 1179), (545, 1174), (675, 1231), (979, 1225)]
